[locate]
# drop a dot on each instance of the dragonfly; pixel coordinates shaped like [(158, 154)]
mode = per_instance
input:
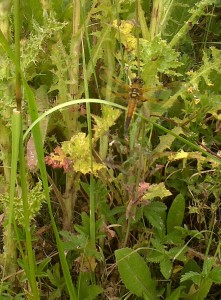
[(136, 95)]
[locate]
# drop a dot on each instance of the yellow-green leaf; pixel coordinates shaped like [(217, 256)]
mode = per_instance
[(157, 190)]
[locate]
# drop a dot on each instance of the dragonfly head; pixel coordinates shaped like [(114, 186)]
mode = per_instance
[(137, 80)]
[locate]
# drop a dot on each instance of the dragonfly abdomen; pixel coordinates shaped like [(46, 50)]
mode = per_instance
[(132, 105)]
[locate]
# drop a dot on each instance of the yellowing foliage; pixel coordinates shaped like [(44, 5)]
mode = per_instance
[(78, 151), (157, 190)]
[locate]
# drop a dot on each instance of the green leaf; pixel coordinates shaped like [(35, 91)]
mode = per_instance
[(175, 237), (85, 290), (176, 213), (187, 232), (40, 268), (204, 288), (153, 212), (107, 120), (166, 62), (76, 242), (135, 273), (94, 291), (194, 276), (215, 275), (178, 253), (175, 295), (166, 267), (56, 294), (191, 266), (55, 277), (157, 244), (158, 206), (207, 266), (167, 140), (154, 219), (154, 256)]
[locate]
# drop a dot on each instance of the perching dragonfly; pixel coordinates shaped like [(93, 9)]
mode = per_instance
[(135, 96)]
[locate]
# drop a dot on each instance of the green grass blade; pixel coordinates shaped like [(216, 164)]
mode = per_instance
[(88, 109)]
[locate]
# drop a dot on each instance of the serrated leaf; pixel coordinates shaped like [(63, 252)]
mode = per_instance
[(208, 264), (55, 278), (93, 291), (154, 213), (103, 124), (186, 155), (174, 237), (167, 140), (135, 273), (211, 62), (154, 219), (157, 206), (41, 266), (157, 244), (157, 190), (85, 290), (73, 241), (166, 267), (77, 150), (176, 213), (194, 276), (189, 155), (187, 232), (178, 253), (154, 256), (166, 58)]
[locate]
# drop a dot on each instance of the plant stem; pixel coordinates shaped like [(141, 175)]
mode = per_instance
[(156, 15), (17, 28), (127, 233), (71, 119), (92, 199)]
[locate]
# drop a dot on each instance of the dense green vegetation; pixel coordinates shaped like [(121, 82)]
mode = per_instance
[(88, 210)]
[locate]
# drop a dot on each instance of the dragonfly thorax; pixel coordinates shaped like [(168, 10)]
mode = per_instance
[(134, 93)]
